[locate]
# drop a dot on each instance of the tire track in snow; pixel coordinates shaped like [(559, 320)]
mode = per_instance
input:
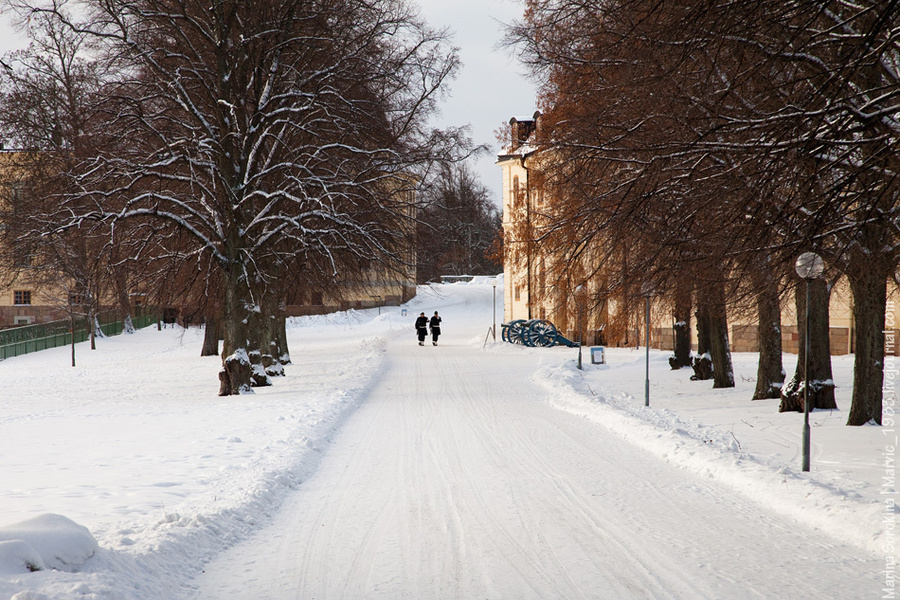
[(547, 565)]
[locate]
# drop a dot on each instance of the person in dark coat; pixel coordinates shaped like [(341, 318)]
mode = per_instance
[(422, 328), (435, 325)]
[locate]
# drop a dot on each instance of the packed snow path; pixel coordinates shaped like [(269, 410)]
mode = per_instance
[(455, 480)]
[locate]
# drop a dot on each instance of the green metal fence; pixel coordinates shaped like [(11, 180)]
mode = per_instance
[(25, 339)]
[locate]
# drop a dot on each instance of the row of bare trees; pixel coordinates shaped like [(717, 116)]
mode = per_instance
[(227, 151), (458, 226), (704, 145)]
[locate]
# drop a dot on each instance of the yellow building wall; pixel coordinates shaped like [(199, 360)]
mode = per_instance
[(515, 287), (517, 162)]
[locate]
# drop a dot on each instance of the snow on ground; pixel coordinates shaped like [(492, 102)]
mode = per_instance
[(746, 444), (130, 467)]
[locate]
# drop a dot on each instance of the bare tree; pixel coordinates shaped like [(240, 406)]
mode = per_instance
[(47, 105), (263, 131), (457, 226)]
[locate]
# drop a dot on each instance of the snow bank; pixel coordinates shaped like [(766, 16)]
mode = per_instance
[(717, 453), (44, 541)]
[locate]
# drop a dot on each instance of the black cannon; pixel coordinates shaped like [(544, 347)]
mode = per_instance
[(534, 333)]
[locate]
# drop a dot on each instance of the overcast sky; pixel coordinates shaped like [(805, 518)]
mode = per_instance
[(489, 88)]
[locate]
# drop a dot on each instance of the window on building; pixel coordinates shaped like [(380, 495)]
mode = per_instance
[(76, 299), (21, 297), (518, 293)]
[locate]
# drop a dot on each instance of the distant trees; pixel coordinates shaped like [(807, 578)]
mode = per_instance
[(712, 137), (49, 90), (458, 226), (256, 140)]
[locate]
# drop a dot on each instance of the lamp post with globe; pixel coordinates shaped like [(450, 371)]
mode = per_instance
[(494, 308), (808, 266), (648, 290)]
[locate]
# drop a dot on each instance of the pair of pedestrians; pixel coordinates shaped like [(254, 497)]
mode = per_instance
[(423, 324)]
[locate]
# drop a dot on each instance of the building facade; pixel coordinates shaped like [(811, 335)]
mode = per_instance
[(578, 306)]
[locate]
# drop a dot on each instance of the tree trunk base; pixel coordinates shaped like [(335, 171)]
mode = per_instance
[(703, 368), (791, 401), (676, 363), (224, 383), (768, 391), (258, 375), (273, 367), (234, 376), (821, 395)]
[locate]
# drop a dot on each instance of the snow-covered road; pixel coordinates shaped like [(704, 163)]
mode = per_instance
[(456, 479)]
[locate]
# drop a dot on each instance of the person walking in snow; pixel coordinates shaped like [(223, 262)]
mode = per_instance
[(435, 325), (422, 328)]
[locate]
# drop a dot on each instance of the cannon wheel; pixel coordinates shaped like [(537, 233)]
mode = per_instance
[(512, 331), (517, 335), (541, 333)]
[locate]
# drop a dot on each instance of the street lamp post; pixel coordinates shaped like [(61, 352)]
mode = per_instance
[(579, 307), (809, 266), (494, 308), (648, 290)]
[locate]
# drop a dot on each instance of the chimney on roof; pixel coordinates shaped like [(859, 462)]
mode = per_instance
[(521, 131)]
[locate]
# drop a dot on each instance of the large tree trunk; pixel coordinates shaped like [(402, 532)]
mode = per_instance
[(270, 343), (702, 363), (719, 348), (279, 338), (682, 333), (869, 288), (239, 314), (821, 383), (770, 371), (258, 341), (211, 335)]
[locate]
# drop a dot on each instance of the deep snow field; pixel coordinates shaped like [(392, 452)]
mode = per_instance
[(123, 476)]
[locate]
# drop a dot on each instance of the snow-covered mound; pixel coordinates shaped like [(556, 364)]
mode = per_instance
[(44, 541)]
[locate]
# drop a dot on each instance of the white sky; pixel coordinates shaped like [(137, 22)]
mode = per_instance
[(490, 87)]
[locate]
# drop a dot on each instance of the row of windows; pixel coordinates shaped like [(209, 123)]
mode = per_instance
[(23, 298)]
